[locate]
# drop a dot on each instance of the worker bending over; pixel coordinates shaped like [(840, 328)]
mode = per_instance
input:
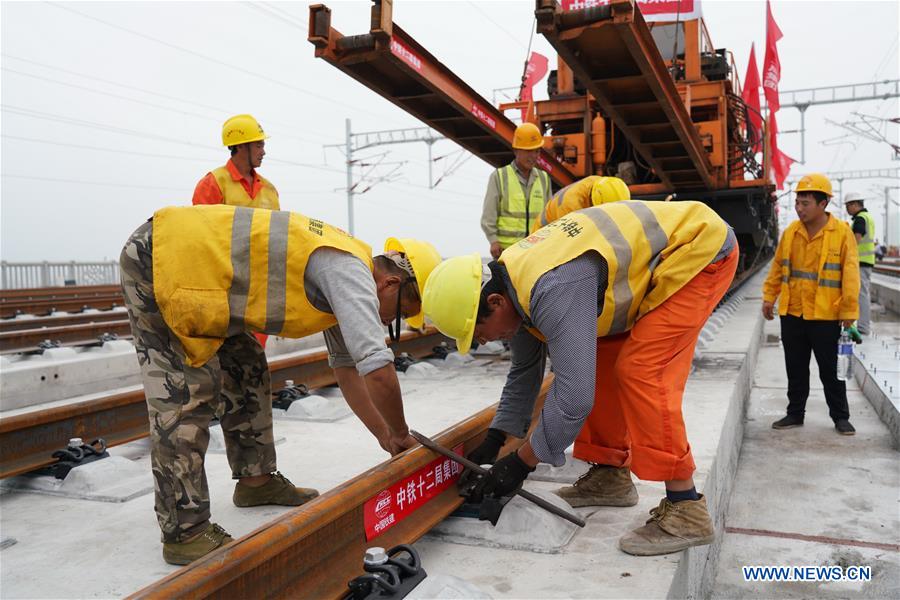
[(516, 193), (815, 279), (593, 190), (198, 281), (655, 269)]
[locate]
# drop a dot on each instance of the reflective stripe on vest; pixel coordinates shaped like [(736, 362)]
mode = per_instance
[(515, 214), (633, 237), (866, 245), (234, 194), (222, 270)]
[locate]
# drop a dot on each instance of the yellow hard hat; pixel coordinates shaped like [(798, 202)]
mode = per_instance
[(242, 129), (423, 257), (527, 137), (814, 182), (609, 189), (451, 298)]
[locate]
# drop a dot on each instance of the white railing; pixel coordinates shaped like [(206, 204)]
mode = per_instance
[(50, 274)]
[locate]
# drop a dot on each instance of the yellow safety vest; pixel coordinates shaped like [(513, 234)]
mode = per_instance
[(515, 214), (234, 194), (574, 196), (652, 249), (220, 270), (866, 245)]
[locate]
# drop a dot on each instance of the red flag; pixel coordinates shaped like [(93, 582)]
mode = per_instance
[(781, 162), (534, 71), (750, 94), (771, 64)]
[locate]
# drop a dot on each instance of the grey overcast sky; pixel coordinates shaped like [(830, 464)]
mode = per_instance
[(112, 110)]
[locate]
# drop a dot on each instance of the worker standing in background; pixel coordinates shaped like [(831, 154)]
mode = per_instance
[(237, 183), (815, 279), (593, 190), (197, 280), (516, 193), (654, 269), (864, 231)]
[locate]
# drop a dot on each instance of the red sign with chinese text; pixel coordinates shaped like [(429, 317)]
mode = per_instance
[(390, 506), (404, 53), (542, 163), (652, 10), (483, 116)]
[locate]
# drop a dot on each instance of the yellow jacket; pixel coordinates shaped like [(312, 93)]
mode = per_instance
[(220, 270), (652, 250), (574, 196), (818, 278)]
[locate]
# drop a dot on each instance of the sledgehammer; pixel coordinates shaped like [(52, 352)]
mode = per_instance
[(477, 468)]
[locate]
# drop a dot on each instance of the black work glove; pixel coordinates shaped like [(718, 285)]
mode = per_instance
[(506, 476), (486, 452)]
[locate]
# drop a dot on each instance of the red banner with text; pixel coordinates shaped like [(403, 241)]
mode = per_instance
[(652, 10), (390, 506)]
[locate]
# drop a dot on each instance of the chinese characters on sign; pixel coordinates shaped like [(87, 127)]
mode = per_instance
[(483, 116), (542, 163), (652, 10), (400, 50), (392, 505)]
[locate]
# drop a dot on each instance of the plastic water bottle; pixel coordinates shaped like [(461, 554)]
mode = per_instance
[(844, 356)]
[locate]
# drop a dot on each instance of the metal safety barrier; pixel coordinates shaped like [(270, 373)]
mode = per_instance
[(47, 274)]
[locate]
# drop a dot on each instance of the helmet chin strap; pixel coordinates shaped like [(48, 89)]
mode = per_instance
[(394, 328)]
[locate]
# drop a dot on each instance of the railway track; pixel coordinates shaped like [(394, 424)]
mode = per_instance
[(44, 301), (314, 550), (892, 270), (79, 334), (28, 439)]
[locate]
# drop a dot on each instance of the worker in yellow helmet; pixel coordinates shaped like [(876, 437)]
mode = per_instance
[(815, 280), (237, 183), (590, 191), (516, 193), (654, 269), (198, 281)]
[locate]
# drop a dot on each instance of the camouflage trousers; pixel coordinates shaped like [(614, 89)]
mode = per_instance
[(233, 386)]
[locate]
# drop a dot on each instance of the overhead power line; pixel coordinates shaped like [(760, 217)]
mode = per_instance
[(248, 72)]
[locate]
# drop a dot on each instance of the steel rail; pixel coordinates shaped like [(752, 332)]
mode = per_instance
[(28, 440), (81, 291), (890, 271), (25, 340), (314, 550), (8, 325), (50, 305)]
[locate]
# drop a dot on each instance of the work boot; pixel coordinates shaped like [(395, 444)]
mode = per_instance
[(788, 422), (602, 485), (184, 553), (844, 427), (673, 526), (278, 490)]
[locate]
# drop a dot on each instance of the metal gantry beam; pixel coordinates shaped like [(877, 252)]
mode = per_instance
[(835, 94)]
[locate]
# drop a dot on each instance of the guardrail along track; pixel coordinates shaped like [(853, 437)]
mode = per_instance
[(24, 340), (28, 440), (313, 551)]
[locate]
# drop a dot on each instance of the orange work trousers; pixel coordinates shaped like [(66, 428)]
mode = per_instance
[(636, 420)]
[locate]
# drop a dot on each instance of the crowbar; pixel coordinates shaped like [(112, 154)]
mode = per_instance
[(431, 445)]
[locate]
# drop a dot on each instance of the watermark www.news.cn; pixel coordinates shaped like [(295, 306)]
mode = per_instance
[(807, 573)]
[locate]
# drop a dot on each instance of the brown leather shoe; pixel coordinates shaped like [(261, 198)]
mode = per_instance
[(672, 527), (602, 485), (278, 490), (184, 553)]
